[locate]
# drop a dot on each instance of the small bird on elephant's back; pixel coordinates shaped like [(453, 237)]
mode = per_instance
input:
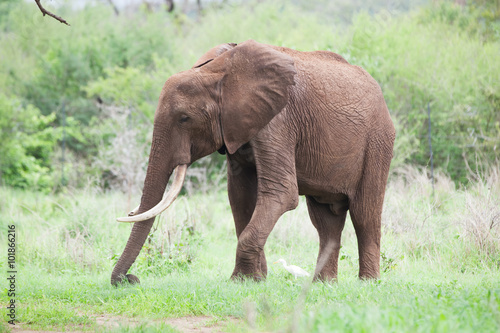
[(290, 123)]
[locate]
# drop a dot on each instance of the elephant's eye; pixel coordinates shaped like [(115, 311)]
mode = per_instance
[(184, 119)]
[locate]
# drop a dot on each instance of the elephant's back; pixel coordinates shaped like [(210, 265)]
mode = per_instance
[(347, 92), (338, 108), (326, 82)]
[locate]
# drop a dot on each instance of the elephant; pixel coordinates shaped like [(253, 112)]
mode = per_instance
[(290, 123)]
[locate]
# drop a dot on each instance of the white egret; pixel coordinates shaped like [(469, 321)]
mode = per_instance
[(294, 270)]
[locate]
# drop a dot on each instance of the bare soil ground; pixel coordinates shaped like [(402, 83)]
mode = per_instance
[(198, 324)]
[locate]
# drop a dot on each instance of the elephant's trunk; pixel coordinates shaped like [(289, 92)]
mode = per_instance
[(157, 177), (134, 245)]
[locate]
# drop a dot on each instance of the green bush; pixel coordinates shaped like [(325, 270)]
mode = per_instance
[(442, 56), (451, 72), (28, 139)]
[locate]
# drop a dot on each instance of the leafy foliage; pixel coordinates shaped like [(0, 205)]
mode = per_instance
[(440, 56), (28, 141), (451, 73)]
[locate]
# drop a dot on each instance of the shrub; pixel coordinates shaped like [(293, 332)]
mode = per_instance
[(441, 56), (28, 139)]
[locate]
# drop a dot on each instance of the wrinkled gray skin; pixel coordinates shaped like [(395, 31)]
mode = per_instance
[(292, 123)]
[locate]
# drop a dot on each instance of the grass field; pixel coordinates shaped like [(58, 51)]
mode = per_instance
[(440, 266)]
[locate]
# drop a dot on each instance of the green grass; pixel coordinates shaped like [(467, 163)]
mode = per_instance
[(437, 274)]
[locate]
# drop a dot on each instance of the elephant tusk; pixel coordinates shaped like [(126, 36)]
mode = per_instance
[(134, 211), (180, 174)]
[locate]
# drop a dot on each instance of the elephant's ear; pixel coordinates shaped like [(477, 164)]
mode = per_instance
[(213, 53), (254, 89)]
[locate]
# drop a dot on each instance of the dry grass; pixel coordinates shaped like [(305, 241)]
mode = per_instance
[(449, 225), (480, 218), (432, 263)]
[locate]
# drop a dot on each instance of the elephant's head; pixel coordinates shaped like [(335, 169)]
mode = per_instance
[(231, 93)]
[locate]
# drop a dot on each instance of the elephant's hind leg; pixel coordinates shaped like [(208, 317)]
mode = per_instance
[(366, 218), (366, 214), (329, 225)]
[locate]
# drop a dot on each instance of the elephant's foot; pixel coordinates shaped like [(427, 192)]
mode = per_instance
[(327, 266), (369, 266), (125, 279), (242, 272), (239, 276), (325, 277), (250, 263), (263, 264), (369, 275)]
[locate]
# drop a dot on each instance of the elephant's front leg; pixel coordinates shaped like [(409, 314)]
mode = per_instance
[(242, 191), (250, 249), (277, 192)]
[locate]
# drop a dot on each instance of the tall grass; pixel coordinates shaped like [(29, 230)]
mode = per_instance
[(440, 263), (456, 227)]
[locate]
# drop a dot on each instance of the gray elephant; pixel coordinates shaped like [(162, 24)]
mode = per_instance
[(291, 123)]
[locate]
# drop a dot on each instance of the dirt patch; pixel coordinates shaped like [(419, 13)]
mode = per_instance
[(198, 324), (112, 322), (195, 324), (19, 329)]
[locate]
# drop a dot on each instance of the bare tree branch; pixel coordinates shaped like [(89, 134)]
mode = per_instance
[(45, 11), (115, 9), (170, 5)]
